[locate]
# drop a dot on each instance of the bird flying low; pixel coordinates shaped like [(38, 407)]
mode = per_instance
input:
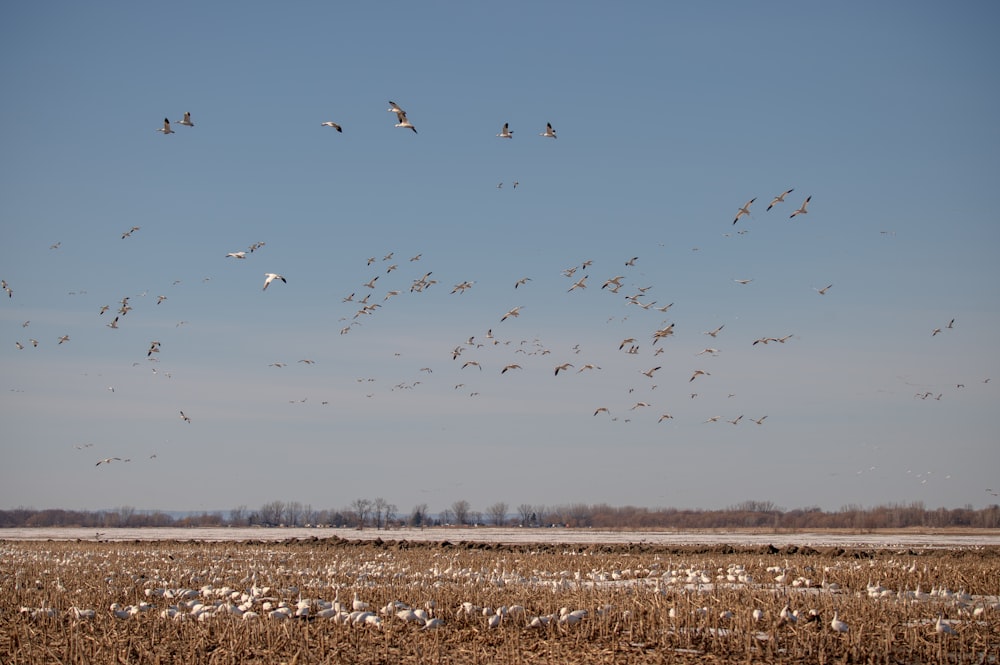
[(270, 277)]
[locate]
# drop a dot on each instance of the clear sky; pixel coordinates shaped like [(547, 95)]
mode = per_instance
[(669, 117)]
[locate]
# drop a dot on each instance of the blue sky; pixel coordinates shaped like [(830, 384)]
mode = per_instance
[(669, 118)]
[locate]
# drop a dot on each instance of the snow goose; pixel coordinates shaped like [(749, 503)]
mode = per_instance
[(166, 127), (549, 132)]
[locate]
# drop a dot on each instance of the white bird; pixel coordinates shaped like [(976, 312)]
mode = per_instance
[(187, 120), (715, 332), (64, 338), (236, 255), (697, 373), (802, 210), (780, 198), (108, 460), (744, 210), (401, 116), (823, 291), (837, 625), (505, 133), (515, 311), (185, 418), (166, 127), (270, 277), (743, 281), (329, 123), (549, 132), (943, 628)]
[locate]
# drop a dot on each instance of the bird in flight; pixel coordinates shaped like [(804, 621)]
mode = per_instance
[(510, 366), (401, 116), (515, 311), (270, 277), (166, 127), (743, 281), (697, 373), (187, 120), (505, 133), (330, 123), (744, 210), (715, 332), (780, 198), (549, 132), (236, 255), (563, 367), (802, 210), (823, 291), (108, 460), (185, 418)]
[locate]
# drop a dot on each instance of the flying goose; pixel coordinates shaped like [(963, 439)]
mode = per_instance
[(166, 127), (780, 198), (270, 277), (802, 210), (744, 210), (187, 120), (330, 123), (505, 133), (549, 132)]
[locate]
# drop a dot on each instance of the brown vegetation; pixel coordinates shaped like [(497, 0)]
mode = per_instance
[(173, 602)]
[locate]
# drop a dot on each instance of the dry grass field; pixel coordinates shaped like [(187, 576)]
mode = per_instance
[(389, 602)]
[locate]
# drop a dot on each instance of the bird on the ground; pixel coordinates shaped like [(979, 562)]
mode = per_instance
[(549, 132), (270, 277), (837, 625), (166, 127), (744, 210), (505, 133), (330, 123), (802, 209), (780, 198)]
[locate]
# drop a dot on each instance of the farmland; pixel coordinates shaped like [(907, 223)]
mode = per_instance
[(333, 600)]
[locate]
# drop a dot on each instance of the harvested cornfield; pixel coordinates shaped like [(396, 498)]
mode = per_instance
[(336, 601)]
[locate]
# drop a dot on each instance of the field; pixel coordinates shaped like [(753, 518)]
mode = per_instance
[(331, 600)]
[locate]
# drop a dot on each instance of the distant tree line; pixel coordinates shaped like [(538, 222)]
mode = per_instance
[(381, 514)]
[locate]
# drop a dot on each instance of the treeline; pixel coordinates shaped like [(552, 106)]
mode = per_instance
[(381, 514)]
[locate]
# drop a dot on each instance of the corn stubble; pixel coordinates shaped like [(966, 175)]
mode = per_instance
[(294, 602)]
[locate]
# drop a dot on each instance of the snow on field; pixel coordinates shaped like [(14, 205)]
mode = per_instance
[(516, 535)]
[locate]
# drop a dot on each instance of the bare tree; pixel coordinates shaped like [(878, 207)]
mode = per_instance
[(271, 513), (418, 516), (461, 510), (497, 513), (238, 516), (380, 508), (524, 513), (293, 513), (446, 516), (362, 509)]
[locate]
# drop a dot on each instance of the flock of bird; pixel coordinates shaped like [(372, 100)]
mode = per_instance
[(510, 353)]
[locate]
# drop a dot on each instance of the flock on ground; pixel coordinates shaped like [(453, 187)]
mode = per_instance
[(475, 354)]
